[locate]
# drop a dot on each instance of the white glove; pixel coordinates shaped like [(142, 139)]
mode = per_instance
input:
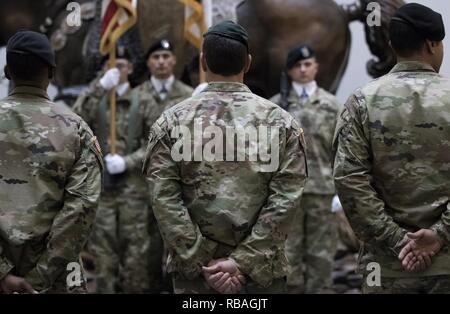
[(115, 164), (336, 205), (110, 79)]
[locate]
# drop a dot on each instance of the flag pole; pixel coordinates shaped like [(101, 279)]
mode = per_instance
[(112, 29), (112, 95)]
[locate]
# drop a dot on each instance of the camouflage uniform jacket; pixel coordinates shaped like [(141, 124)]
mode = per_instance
[(50, 181), (212, 209), (88, 107), (318, 117), (392, 163)]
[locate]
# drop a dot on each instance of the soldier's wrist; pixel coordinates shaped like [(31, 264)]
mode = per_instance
[(239, 265), (442, 233), (238, 272), (5, 268), (399, 241)]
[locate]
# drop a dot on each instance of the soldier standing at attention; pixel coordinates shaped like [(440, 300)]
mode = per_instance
[(224, 214), (120, 242), (311, 244), (391, 165), (160, 92), (163, 88), (50, 177)]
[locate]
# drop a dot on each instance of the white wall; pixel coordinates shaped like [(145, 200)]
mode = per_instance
[(3, 81)]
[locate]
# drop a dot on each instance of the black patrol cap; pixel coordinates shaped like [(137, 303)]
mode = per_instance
[(122, 53), (160, 44), (301, 52), (231, 30), (32, 43), (422, 19)]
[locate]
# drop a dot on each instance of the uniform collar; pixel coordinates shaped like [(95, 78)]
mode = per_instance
[(158, 84), (412, 66), (122, 89), (310, 88), (295, 98), (29, 90), (227, 87)]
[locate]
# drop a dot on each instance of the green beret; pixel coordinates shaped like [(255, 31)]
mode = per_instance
[(231, 30), (422, 19)]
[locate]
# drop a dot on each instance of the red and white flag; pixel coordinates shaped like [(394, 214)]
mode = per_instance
[(118, 16), (197, 20)]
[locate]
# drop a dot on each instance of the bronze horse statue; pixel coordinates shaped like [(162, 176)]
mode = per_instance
[(275, 26)]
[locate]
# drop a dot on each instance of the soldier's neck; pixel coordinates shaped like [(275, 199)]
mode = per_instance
[(212, 77), (40, 85), (418, 58)]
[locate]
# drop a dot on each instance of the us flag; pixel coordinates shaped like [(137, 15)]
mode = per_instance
[(117, 17)]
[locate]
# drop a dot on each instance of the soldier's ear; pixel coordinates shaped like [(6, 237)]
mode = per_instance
[(434, 46), (248, 63), (430, 46), (203, 63), (7, 75)]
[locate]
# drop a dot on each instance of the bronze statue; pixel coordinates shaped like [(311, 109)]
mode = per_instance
[(276, 26)]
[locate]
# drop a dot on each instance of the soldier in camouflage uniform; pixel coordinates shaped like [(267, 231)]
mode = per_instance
[(120, 241), (312, 242), (50, 178), (392, 160), (231, 217), (162, 91)]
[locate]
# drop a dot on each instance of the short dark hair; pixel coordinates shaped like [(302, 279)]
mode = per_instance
[(224, 56), (404, 39), (26, 66)]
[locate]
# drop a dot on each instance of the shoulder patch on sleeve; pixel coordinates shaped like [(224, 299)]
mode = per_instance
[(96, 144), (301, 135)]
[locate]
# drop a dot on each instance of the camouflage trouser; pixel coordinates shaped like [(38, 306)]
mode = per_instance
[(311, 246), (157, 281), (120, 243), (199, 286), (429, 285)]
